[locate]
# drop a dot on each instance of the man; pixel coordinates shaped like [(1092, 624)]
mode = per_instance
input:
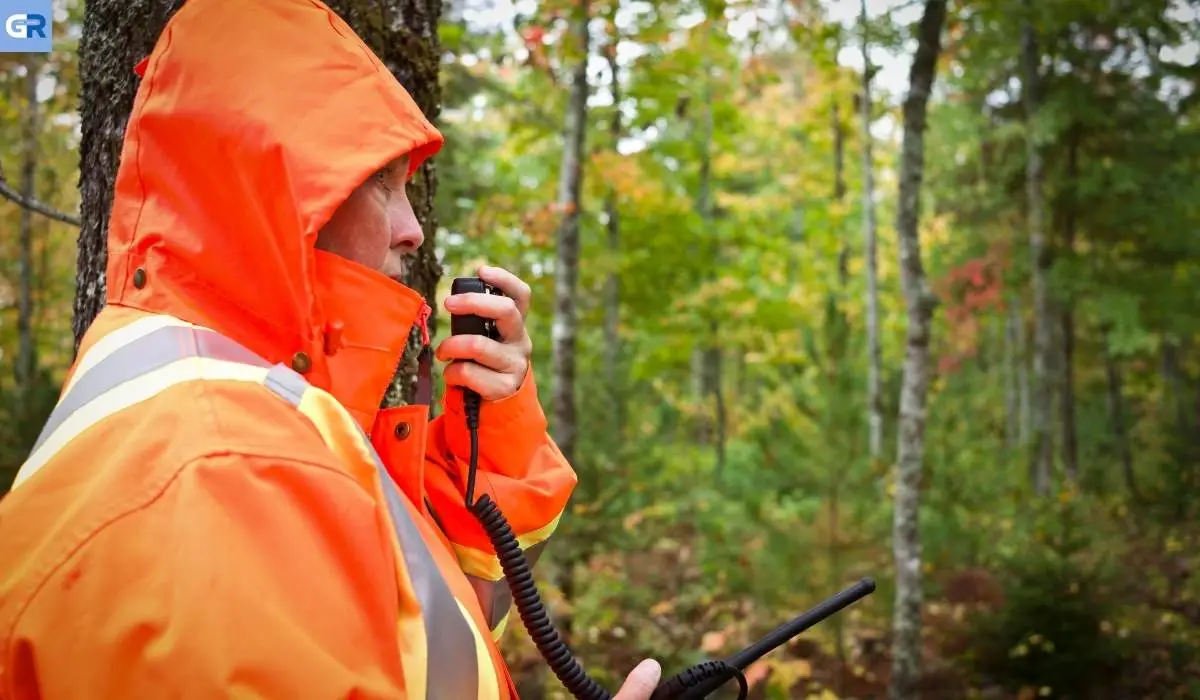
[(217, 507)]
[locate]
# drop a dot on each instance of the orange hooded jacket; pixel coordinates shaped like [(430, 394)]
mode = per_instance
[(217, 507)]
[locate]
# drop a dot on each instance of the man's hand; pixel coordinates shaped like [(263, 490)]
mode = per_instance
[(641, 682), (495, 370)]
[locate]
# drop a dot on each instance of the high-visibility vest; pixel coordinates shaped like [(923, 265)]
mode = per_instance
[(156, 352)]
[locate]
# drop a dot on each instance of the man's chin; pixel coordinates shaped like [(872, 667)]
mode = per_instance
[(398, 272)]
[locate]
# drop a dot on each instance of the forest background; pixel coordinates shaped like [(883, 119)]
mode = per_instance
[(822, 290)]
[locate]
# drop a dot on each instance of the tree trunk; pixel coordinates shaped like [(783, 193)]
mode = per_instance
[(920, 303), (708, 359), (26, 361), (1070, 447), (116, 35), (1011, 362), (1116, 413), (570, 184), (119, 33), (712, 354), (1042, 395), (874, 361), (564, 328), (839, 178), (612, 286)]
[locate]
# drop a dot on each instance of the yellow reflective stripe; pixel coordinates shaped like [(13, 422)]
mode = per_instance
[(486, 565), (498, 630), (414, 655), (449, 670), (489, 684), (321, 409), (118, 339), (339, 432), (130, 393)]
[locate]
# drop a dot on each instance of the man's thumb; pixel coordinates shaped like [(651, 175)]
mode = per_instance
[(641, 682)]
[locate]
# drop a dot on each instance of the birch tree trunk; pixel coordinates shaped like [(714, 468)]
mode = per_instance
[(920, 303), (1042, 394), (26, 361), (564, 328), (119, 33), (874, 360), (566, 268)]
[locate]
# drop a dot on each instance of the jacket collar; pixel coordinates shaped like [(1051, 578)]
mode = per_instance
[(368, 319)]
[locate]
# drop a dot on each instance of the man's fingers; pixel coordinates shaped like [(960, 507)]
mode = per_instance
[(512, 286), (483, 350), (641, 682), (490, 385), (506, 312)]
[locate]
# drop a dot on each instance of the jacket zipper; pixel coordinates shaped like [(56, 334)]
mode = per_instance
[(423, 321)]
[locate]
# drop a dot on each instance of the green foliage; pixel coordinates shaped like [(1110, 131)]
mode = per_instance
[(1055, 630), (671, 554)]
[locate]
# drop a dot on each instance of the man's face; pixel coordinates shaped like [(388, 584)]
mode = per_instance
[(376, 225)]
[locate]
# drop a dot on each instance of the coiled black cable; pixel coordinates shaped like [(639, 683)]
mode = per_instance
[(529, 605), (685, 685), (519, 577), (689, 684)]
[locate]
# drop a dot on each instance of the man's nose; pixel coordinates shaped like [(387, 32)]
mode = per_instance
[(406, 230)]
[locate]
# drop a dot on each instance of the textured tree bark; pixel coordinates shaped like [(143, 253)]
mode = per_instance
[(26, 361), (874, 360), (1043, 441), (920, 303), (566, 269), (119, 33)]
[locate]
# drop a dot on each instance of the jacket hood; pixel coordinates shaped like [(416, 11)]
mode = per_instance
[(254, 121)]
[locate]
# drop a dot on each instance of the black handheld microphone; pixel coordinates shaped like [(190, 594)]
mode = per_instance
[(470, 324)]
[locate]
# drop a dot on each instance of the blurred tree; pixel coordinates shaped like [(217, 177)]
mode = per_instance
[(906, 539)]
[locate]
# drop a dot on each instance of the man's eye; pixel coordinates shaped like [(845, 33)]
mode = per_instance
[(385, 178)]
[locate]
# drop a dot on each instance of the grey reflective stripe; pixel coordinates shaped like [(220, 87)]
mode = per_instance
[(153, 351), (495, 596), (452, 669), (451, 643), (287, 383)]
